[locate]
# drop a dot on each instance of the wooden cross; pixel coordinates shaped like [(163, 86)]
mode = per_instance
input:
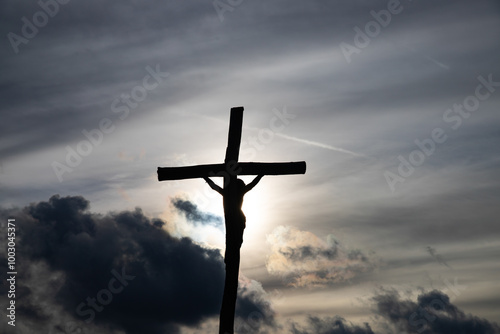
[(234, 218)]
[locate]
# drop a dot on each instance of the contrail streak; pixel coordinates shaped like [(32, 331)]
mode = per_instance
[(310, 142), (438, 63), (278, 134), (325, 146)]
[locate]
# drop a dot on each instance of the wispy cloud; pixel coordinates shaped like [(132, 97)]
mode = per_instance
[(436, 256)]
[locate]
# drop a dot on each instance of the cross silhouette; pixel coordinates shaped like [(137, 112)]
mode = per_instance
[(233, 192)]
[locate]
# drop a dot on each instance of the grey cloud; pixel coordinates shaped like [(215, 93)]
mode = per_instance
[(303, 259), (65, 79), (436, 256), (329, 325), (194, 215), (88, 53), (403, 222), (303, 253), (67, 76), (253, 309)]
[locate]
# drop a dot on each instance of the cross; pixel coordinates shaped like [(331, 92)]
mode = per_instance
[(232, 198)]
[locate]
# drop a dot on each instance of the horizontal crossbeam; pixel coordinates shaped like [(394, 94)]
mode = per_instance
[(242, 168), (271, 168)]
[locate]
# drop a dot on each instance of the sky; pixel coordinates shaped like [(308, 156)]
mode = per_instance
[(392, 104)]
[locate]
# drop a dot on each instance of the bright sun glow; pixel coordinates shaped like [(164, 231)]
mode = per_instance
[(256, 210), (253, 209)]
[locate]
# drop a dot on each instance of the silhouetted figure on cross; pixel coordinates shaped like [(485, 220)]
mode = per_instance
[(240, 223), (232, 195)]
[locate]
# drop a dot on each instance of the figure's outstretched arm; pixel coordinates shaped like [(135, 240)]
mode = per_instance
[(252, 184), (214, 186)]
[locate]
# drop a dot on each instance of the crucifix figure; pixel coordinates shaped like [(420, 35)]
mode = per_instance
[(240, 223), (232, 193)]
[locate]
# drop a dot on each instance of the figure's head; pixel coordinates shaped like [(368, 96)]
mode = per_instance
[(240, 184)]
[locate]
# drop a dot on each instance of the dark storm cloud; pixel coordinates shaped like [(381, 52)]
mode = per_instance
[(432, 313), (194, 215), (166, 281)]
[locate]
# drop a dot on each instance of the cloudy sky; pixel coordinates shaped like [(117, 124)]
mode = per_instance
[(394, 105)]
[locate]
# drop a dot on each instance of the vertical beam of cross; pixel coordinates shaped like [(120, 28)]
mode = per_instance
[(232, 256), (234, 136)]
